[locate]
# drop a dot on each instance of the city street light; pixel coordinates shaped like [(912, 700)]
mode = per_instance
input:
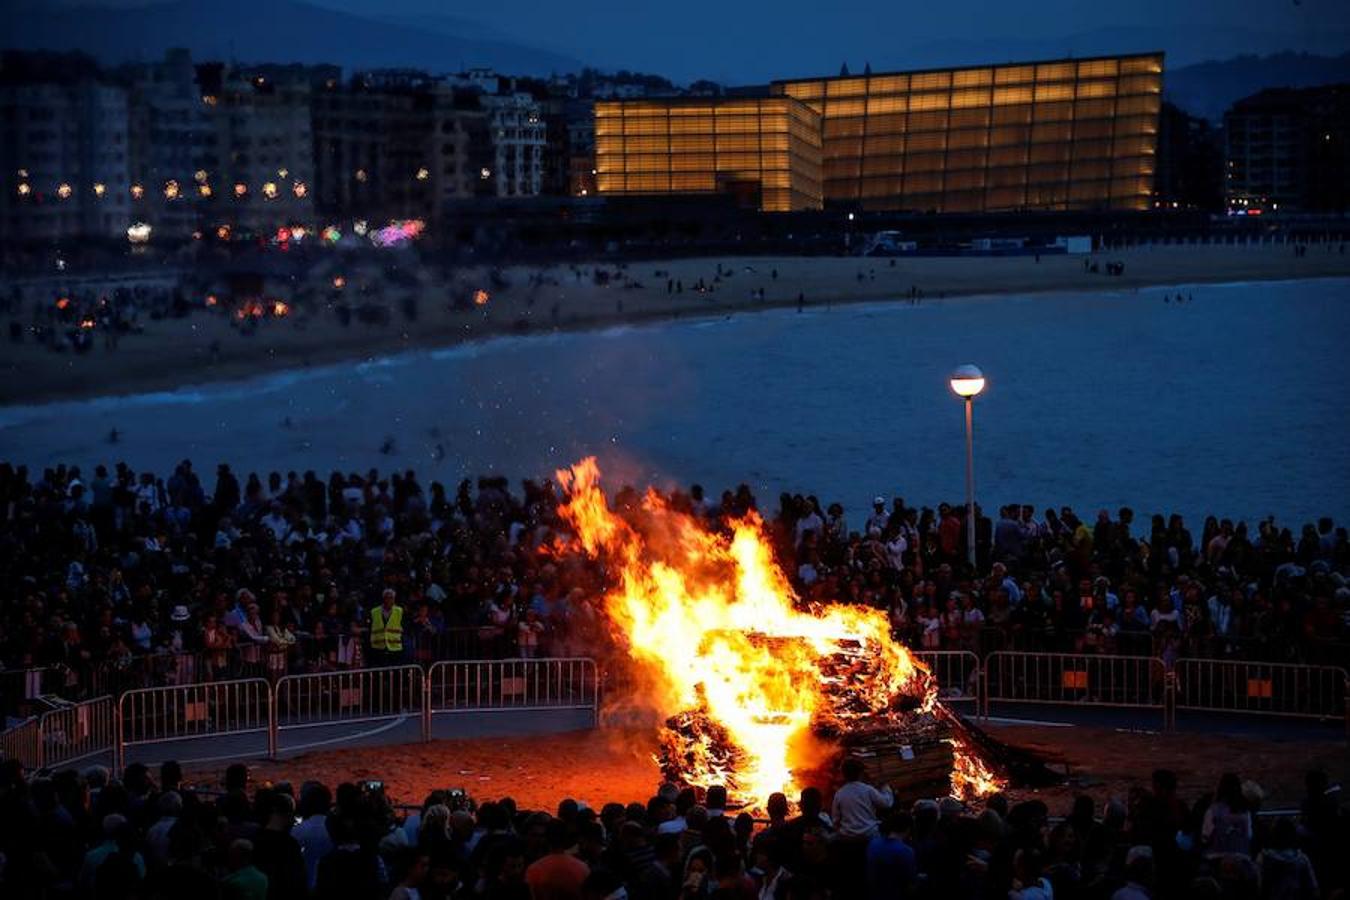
[(967, 381)]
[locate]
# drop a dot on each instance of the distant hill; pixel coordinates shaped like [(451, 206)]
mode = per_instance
[(1208, 88), (269, 31)]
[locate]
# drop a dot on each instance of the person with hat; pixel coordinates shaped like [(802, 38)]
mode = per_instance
[(386, 631), (877, 521), (181, 641)]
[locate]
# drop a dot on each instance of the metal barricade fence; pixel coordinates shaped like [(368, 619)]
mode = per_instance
[(24, 743), (1075, 679), (1278, 689), (513, 684), (188, 711), (957, 673), (354, 695), (78, 731), (17, 686)]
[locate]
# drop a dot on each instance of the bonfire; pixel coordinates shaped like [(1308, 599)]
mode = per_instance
[(754, 689)]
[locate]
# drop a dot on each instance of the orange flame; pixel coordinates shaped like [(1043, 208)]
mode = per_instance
[(713, 619), (971, 777)]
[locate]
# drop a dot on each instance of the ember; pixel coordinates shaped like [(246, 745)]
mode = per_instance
[(756, 690)]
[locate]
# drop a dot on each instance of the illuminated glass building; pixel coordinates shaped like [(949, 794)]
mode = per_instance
[(769, 147), (1060, 135)]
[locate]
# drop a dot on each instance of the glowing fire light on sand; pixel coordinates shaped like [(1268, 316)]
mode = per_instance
[(714, 623)]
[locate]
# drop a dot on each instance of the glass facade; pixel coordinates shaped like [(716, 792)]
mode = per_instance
[(1060, 135), (768, 146), (1068, 134)]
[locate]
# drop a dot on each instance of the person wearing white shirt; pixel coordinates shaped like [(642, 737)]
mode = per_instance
[(809, 522), (895, 550), (672, 826), (312, 833), (857, 806), (275, 522), (878, 520), (170, 806)]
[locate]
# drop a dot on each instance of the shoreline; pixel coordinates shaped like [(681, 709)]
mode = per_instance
[(395, 356), (173, 356)]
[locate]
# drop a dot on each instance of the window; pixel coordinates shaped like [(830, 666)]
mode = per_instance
[(1060, 71), (1141, 64), (923, 81), (970, 118), (1061, 91), (971, 97), (924, 162), (1007, 96), (972, 77), (1014, 74), (881, 105), (1096, 68), (888, 84), (968, 138), (966, 159), (928, 121), (921, 102)]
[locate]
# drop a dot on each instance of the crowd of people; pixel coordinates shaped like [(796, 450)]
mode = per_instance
[(73, 834), (1058, 583), (111, 577)]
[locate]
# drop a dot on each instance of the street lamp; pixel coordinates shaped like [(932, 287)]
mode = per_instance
[(967, 381)]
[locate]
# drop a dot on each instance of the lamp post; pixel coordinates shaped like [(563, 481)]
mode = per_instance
[(967, 381)]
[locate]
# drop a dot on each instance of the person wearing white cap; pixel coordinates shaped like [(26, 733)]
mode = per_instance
[(180, 643), (877, 521)]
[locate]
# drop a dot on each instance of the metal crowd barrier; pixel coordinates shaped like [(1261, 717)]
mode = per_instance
[(354, 695), (957, 673), (1275, 689), (20, 685), (78, 731), (516, 684), (24, 743), (1076, 679), (213, 710), (190, 711)]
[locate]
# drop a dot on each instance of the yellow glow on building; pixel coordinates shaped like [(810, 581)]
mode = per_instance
[(1057, 135), (768, 145)]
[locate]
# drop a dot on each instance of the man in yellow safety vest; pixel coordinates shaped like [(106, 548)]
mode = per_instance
[(386, 631)]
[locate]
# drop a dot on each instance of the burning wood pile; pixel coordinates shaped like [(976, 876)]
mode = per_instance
[(909, 743), (758, 692)]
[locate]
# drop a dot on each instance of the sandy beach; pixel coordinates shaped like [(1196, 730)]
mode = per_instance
[(208, 346), (615, 765)]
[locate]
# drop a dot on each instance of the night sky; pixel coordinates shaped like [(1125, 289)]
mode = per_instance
[(744, 41)]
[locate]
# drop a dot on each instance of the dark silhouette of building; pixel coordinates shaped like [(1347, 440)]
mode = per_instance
[(1289, 149), (1190, 162)]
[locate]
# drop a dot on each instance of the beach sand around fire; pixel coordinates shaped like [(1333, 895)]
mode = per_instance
[(207, 346), (617, 765)]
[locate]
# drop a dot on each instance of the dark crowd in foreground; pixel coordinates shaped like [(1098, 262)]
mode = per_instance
[(112, 579), (84, 834)]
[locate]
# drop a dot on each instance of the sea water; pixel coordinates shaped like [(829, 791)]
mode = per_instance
[(1231, 402)]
